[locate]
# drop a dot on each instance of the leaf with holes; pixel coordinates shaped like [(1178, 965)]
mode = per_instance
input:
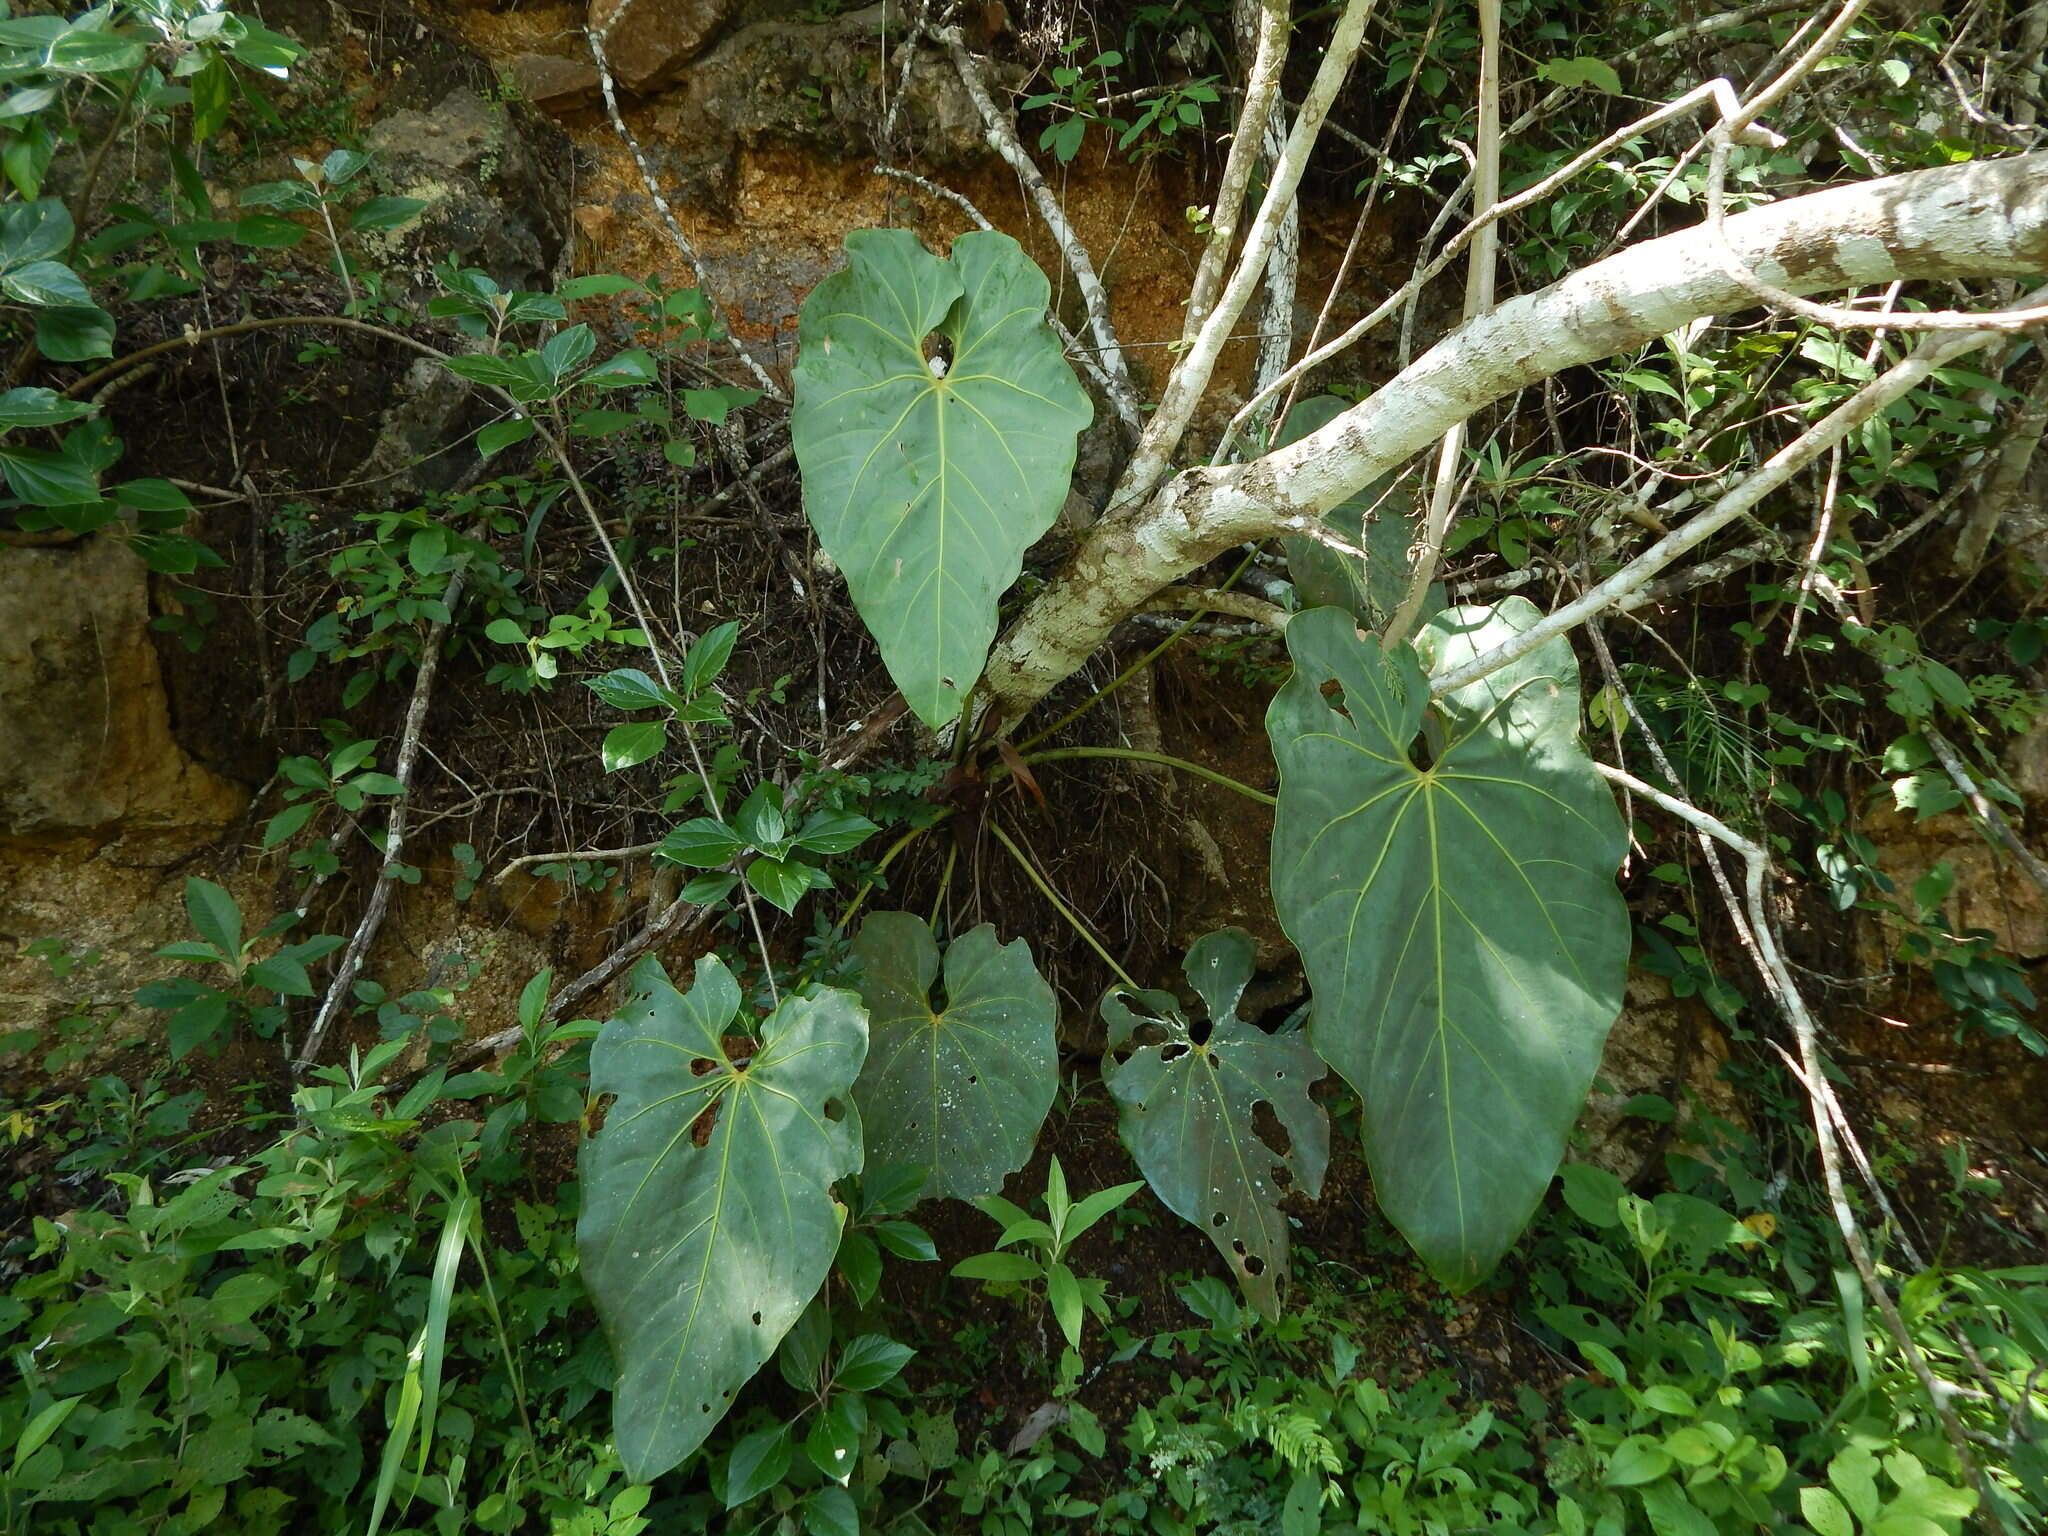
[(961, 1088), (1447, 872), (1188, 1094), (927, 479), (708, 1220)]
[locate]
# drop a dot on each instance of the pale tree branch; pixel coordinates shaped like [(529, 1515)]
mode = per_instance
[(1985, 218), (1827, 1114), (1190, 376), (1907, 374), (1479, 282)]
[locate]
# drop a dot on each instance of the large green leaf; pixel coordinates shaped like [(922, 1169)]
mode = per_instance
[(708, 1220), (926, 483), (957, 1088), (1448, 876), (1188, 1094)]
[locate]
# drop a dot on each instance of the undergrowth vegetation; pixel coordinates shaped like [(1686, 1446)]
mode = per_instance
[(803, 1200)]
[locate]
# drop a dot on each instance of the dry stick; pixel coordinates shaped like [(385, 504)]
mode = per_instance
[(1189, 380), (1085, 356), (574, 855), (1479, 284), (1276, 315), (1257, 103), (1001, 135), (1992, 817), (597, 36), (1777, 977), (394, 835), (1907, 374), (1716, 92), (2015, 459)]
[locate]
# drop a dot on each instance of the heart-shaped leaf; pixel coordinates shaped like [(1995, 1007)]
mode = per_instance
[(1447, 873), (928, 477), (959, 1088), (1188, 1093), (708, 1220)]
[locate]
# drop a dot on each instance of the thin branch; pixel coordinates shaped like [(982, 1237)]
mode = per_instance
[(1777, 978), (340, 984), (1190, 377), (597, 36), (1479, 282), (575, 856), (1992, 817), (1001, 135), (1907, 374)]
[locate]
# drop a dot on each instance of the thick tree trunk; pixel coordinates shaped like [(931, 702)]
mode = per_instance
[(1979, 219)]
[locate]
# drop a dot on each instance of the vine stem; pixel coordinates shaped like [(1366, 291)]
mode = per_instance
[(1133, 754), (1031, 873), (1777, 978)]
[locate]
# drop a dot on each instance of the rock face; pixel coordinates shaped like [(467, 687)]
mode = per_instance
[(87, 746), (1668, 1046), (552, 82), (655, 38), (98, 801)]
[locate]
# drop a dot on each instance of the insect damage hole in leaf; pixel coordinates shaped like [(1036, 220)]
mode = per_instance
[(1188, 1110)]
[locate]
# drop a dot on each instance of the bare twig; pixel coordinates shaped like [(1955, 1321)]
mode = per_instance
[(1992, 817), (598, 36), (1777, 977), (1001, 135), (1907, 374), (345, 973)]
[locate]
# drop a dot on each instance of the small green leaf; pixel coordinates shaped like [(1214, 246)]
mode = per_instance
[(1063, 1294), (783, 882), (1581, 71), (215, 917), (500, 435), (870, 1361), (628, 688), (830, 1511), (626, 746), (701, 843), (1638, 1459), (708, 656), (1012, 1267), (1825, 1513), (759, 1462), (381, 214)]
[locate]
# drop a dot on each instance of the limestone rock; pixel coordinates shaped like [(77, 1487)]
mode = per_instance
[(551, 82), (87, 747), (1669, 1046), (1990, 891), (656, 38)]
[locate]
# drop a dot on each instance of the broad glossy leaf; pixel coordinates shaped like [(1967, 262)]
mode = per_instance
[(927, 483), (708, 1220), (1448, 876), (958, 1088), (1187, 1095)]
